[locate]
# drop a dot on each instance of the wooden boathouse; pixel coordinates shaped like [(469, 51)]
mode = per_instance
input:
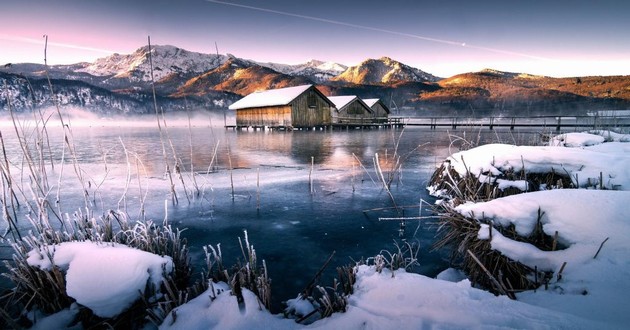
[(349, 109), (284, 108), (380, 110)]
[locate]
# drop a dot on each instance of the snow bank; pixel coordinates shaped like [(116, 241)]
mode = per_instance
[(383, 301), (585, 220), (595, 288), (217, 308), (107, 278), (583, 165)]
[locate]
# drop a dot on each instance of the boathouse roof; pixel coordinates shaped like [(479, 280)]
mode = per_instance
[(344, 100), (269, 98)]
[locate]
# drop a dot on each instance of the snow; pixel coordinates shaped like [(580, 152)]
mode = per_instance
[(223, 312), (273, 97), (166, 60), (370, 102), (592, 293), (385, 301), (576, 140), (583, 220), (342, 101), (329, 69), (106, 278), (583, 165)]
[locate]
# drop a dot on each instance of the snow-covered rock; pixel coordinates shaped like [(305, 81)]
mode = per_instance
[(105, 277)]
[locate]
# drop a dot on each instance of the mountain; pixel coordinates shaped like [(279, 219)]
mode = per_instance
[(167, 61), (239, 77), (383, 71), (314, 70), (25, 94), (492, 90), (121, 84)]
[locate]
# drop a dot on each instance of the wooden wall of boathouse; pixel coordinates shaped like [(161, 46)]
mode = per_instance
[(355, 112), (379, 110), (273, 116), (311, 109)]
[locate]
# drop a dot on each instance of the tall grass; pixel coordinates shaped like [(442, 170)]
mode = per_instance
[(29, 203)]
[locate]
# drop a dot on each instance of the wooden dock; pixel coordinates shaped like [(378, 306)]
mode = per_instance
[(554, 122), (551, 122), (356, 124)]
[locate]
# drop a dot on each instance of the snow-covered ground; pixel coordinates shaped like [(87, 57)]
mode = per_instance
[(592, 293)]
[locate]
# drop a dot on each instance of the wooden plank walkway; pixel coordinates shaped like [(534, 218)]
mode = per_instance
[(553, 122), (557, 122)]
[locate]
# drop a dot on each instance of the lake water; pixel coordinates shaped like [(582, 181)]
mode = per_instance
[(299, 195)]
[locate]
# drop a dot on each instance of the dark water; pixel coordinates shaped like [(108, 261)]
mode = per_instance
[(293, 225)]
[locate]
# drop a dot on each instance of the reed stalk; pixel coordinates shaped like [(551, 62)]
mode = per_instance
[(192, 169), (310, 176), (174, 197), (177, 161), (258, 188)]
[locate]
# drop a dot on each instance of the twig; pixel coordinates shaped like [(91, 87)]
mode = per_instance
[(309, 287), (494, 281), (600, 247)]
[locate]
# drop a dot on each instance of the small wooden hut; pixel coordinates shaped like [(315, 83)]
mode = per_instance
[(349, 109), (380, 110), (291, 107)]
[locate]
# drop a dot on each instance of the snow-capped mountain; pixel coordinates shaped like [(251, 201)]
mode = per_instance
[(315, 70), (383, 71), (122, 84), (167, 61), (28, 94)]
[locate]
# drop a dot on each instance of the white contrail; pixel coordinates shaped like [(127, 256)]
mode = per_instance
[(58, 44), (369, 28)]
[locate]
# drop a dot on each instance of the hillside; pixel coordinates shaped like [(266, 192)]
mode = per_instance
[(238, 77), (121, 83), (383, 71), (491, 90)]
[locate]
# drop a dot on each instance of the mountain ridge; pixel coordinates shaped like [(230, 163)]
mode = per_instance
[(183, 78)]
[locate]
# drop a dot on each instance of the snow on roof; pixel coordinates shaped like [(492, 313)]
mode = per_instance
[(272, 97), (370, 102), (342, 101)]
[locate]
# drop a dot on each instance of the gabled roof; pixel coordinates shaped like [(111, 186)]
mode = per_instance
[(341, 101), (371, 102), (344, 100), (268, 98)]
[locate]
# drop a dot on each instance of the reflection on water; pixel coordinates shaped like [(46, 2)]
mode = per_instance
[(293, 226)]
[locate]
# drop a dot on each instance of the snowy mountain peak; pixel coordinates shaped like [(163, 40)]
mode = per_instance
[(167, 60), (315, 70), (383, 71)]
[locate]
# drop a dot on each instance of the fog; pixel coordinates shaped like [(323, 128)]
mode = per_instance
[(80, 117)]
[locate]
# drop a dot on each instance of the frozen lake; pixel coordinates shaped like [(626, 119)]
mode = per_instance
[(300, 195)]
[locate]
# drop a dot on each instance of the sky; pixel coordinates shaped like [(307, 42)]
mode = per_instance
[(555, 38)]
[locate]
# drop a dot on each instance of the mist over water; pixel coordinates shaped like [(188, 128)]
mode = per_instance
[(259, 181)]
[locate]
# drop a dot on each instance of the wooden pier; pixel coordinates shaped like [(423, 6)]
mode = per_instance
[(554, 122), (551, 122), (342, 124)]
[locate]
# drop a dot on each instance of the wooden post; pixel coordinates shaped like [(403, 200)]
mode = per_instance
[(558, 125)]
